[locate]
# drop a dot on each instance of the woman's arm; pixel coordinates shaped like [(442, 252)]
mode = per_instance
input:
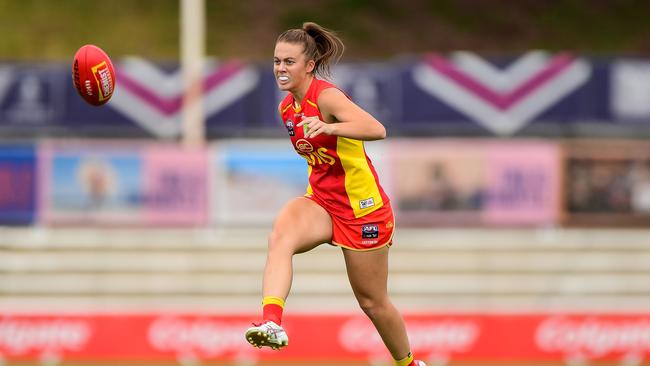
[(343, 118)]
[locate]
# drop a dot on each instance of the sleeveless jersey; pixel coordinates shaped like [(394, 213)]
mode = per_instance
[(342, 178)]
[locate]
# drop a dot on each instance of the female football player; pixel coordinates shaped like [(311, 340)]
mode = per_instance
[(344, 205)]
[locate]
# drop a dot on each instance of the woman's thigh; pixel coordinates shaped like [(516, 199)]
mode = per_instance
[(368, 272), (301, 226)]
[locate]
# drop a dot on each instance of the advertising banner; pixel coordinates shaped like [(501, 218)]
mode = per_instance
[(40, 100), (438, 339), (482, 182), (17, 184), (607, 182), (123, 183), (437, 182), (536, 93), (32, 97), (150, 96), (253, 179), (630, 91), (522, 182)]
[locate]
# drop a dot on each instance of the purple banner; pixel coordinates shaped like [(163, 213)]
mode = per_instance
[(458, 94)]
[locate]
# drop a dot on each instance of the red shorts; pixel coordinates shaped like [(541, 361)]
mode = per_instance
[(372, 231)]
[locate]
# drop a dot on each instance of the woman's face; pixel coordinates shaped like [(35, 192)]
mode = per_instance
[(290, 66)]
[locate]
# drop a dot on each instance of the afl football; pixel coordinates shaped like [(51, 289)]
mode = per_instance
[(93, 75)]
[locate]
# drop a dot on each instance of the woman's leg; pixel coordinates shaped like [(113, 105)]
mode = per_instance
[(368, 274), (300, 226)]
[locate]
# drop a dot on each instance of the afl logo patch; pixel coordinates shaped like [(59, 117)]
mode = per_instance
[(304, 146), (292, 131), (370, 231)]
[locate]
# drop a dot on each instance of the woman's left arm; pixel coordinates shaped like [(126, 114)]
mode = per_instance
[(343, 118)]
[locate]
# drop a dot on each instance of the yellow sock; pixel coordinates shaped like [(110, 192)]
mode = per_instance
[(404, 361), (273, 300)]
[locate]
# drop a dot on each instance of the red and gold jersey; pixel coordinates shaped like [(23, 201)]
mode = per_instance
[(341, 176)]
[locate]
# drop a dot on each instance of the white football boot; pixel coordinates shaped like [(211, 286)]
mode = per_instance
[(267, 334), (420, 363)]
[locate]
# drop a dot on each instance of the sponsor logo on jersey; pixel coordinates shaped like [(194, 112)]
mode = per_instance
[(368, 202)]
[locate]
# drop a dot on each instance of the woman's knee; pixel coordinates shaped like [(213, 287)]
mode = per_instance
[(373, 306), (278, 242)]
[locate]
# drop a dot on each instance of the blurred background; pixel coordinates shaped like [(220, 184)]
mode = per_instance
[(518, 164)]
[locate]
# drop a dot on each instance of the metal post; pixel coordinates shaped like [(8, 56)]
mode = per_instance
[(192, 46)]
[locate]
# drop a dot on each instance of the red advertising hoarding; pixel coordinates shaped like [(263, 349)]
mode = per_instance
[(439, 338)]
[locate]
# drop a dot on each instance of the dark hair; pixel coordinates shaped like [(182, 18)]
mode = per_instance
[(320, 44)]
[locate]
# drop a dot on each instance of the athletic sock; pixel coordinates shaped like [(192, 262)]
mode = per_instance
[(406, 361), (272, 307)]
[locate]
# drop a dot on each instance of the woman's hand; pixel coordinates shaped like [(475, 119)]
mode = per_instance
[(315, 127)]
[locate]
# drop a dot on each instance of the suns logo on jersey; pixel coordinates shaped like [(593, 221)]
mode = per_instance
[(304, 146), (320, 156)]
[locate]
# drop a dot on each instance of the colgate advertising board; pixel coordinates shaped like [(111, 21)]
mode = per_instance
[(439, 338)]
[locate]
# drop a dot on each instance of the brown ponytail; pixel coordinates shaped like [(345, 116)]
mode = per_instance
[(320, 44)]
